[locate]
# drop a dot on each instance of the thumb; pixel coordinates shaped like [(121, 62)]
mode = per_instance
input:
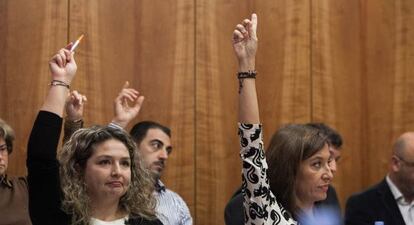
[(139, 102), (126, 84)]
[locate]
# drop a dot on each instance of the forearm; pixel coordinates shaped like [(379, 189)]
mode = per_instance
[(70, 127), (55, 100), (248, 103)]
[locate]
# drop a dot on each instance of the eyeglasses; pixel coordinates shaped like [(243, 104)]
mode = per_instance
[(409, 164)]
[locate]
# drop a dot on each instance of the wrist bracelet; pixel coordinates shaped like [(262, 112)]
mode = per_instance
[(59, 83), (251, 74), (248, 74)]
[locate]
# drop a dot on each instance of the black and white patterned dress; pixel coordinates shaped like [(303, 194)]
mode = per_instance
[(260, 205)]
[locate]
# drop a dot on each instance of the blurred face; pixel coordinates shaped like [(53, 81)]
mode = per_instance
[(314, 177), (154, 149), (4, 157), (404, 171), (108, 171), (336, 155)]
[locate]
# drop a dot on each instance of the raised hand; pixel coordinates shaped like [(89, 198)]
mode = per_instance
[(63, 65), (124, 112), (74, 106), (245, 43)]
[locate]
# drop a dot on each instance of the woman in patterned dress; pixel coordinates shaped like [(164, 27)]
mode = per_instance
[(281, 187)]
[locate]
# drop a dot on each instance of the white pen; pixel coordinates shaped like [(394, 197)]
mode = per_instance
[(76, 43)]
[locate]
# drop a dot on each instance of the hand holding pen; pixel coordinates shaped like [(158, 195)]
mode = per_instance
[(72, 49), (63, 65)]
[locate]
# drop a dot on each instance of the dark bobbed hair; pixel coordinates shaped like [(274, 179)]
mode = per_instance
[(334, 138), (138, 200), (139, 131), (7, 133), (289, 146)]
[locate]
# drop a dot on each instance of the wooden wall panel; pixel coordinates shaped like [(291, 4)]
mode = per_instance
[(150, 44), (346, 63), (30, 33), (361, 58), (283, 84)]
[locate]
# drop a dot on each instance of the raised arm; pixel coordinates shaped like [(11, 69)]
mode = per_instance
[(42, 165), (123, 111), (63, 68), (245, 46), (74, 114)]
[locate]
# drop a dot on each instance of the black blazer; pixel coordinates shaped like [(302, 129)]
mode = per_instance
[(375, 204)]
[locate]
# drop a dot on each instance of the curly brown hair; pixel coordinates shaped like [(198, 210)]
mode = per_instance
[(138, 199)]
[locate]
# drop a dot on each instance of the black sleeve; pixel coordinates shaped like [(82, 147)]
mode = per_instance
[(43, 171), (233, 213)]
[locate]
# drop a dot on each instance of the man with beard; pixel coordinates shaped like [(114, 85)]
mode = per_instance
[(154, 146), (390, 201)]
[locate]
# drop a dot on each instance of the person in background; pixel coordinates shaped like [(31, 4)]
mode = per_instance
[(392, 200), (154, 145), (14, 208), (331, 203)]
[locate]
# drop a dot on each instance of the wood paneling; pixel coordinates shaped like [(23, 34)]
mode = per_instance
[(361, 58), (346, 62), (150, 44), (283, 84), (30, 33)]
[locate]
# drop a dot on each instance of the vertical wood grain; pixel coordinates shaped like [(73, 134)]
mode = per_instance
[(30, 33), (361, 53), (283, 85), (346, 63), (150, 44)]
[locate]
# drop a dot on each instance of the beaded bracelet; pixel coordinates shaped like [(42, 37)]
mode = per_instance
[(59, 83), (248, 74), (245, 75)]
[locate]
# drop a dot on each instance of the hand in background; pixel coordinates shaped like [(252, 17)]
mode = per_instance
[(123, 111), (74, 106)]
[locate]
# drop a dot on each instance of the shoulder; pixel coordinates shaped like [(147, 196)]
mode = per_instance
[(368, 194), (234, 209), (370, 197), (18, 181), (175, 197)]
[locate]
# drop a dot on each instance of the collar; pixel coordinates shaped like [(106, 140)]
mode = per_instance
[(396, 192), (159, 186), (5, 181)]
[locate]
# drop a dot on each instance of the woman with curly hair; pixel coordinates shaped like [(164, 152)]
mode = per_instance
[(94, 180)]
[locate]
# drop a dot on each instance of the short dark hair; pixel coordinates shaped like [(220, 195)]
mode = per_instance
[(7, 133), (140, 129), (334, 138)]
